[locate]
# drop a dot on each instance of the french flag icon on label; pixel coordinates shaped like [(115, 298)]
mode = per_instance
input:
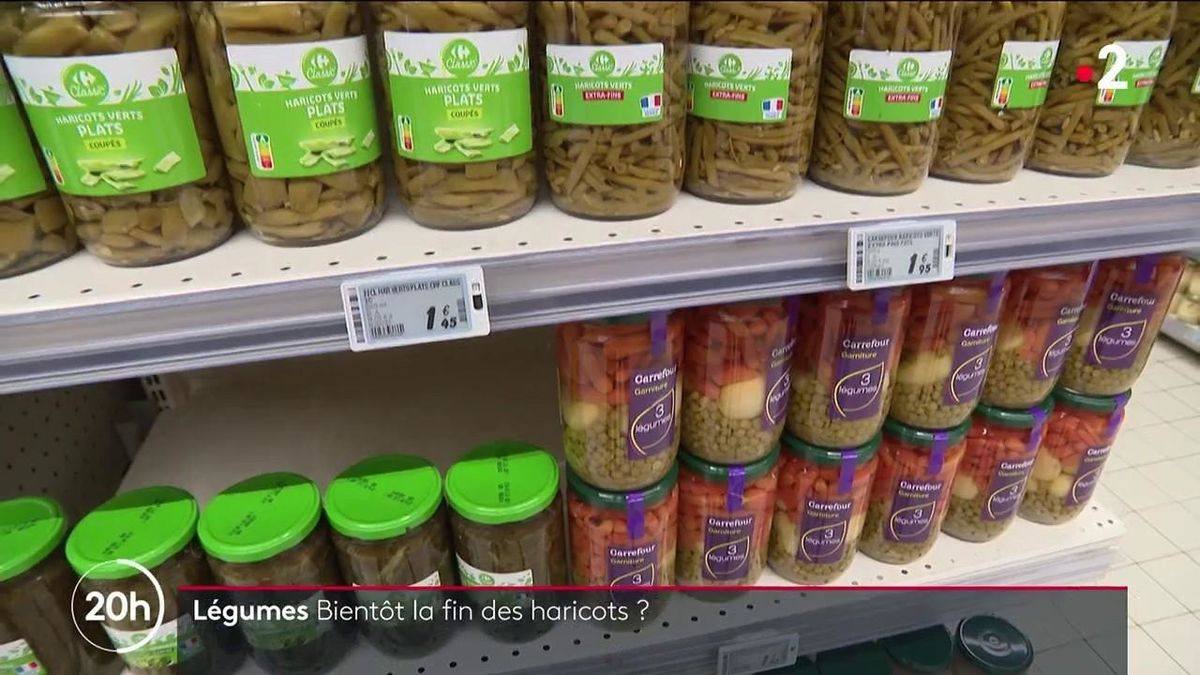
[(772, 109), (651, 105), (30, 668)]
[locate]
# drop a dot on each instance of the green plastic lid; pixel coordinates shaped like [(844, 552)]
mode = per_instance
[(867, 658), (260, 517), (383, 497), (30, 529), (928, 650), (148, 526), (502, 482), (830, 456), (607, 499), (720, 472), (994, 645), (924, 437), (803, 666), (1101, 404), (1014, 417)]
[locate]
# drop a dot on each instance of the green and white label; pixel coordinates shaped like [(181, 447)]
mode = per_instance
[(1023, 75), (20, 172), (473, 576), (17, 658), (460, 97), (110, 125), (1130, 69), (739, 85), (610, 85), (896, 87), (163, 650), (307, 109), (283, 633)]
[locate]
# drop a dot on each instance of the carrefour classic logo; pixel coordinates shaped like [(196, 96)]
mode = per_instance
[(460, 57), (603, 63), (908, 68), (730, 65), (85, 84), (319, 66)]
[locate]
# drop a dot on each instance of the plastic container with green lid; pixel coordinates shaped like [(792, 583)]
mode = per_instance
[(989, 645), (927, 651), (154, 528), (268, 531), (820, 506), (389, 528), (867, 658)]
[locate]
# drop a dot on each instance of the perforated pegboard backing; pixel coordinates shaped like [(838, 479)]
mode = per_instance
[(62, 443)]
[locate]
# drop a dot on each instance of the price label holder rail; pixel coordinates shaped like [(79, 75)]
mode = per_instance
[(415, 306), (900, 253)]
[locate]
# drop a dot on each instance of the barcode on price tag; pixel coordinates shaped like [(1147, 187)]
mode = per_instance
[(756, 656), (411, 307), (898, 254)]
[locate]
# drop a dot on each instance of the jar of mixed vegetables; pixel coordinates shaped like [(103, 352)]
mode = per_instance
[(842, 373), (619, 396), (987, 491), (948, 344), (724, 520), (989, 645), (1079, 436), (911, 490), (737, 378), (1037, 328), (1126, 305), (820, 505)]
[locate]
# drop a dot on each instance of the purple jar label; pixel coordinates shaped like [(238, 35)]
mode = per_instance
[(823, 530), (1006, 489), (859, 370), (779, 384), (633, 565), (1058, 342), (972, 353), (913, 507), (1120, 330), (727, 547), (652, 404), (1087, 476)]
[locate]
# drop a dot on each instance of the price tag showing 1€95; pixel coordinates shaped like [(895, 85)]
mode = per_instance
[(415, 306), (900, 253)]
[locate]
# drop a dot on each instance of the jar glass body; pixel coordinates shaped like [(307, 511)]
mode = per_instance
[(596, 531), (991, 480), (1069, 464), (1168, 134), (719, 546)]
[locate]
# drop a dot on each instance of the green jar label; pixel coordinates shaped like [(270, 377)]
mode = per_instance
[(307, 109), (739, 85), (609, 85), (1023, 74), (1131, 69), (896, 87), (174, 642), (460, 97), (20, 173), (111, 125), (17, 658)]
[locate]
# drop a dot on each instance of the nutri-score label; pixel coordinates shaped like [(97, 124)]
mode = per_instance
[(904, 87), (858, 372), (738, 85), (17, 658), (1006, 488), (1087, 476), (653, 405), (1136, 64), (633, 565), (779, 384), (913, 508), (1058, 342), (824, 526), (175, 642), (20, 172), (972, 352), (609, 85), (1120, 329), (727, 547), (307, 109), (110, 125), (460, 97), (1023, 74)]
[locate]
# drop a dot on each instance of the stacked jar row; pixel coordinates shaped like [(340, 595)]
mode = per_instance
[(285, 94)]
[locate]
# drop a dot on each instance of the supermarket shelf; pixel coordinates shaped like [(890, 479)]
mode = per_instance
[(438, 400), (1183, 333), (81, 321)]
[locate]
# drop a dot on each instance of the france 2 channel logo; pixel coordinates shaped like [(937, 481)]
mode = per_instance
[(651, 105), (772, 109)]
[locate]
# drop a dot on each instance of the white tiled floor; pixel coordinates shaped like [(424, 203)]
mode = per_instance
[(1153, 481)]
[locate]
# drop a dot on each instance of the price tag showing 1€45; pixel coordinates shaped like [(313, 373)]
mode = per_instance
[(415, 306), (900, 253)]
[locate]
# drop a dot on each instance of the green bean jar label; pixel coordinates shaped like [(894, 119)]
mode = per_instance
[(1023, 75), (17, 658), (460, 97), (306, 109), (473, 576), (609, 85), (1132, 68), (904, 87), (739, 85), (20, 174), (174, 642), (111, 125)]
